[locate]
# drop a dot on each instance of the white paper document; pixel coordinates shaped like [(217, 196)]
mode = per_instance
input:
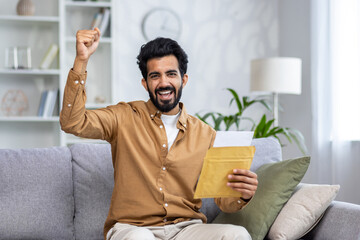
[(233, 138)]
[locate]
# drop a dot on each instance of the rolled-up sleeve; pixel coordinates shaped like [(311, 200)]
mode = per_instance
[(230, 205)]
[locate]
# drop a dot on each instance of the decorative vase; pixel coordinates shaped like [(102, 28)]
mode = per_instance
[(25, 8)]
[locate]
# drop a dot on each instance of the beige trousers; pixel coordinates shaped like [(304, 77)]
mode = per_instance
[(188, 230)]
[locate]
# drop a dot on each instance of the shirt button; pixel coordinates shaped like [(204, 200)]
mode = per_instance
[(82, 82), (76, 82), (151, 115), (184, 125), (239, 201), (69, 105), (160, 189), (166, 204), (164, 145), (164, 168), (161, 126), (165, 220)]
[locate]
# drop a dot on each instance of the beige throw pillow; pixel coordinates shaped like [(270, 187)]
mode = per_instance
[(303, 211)]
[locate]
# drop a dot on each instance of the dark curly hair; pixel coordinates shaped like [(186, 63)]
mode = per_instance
[(161, 47)]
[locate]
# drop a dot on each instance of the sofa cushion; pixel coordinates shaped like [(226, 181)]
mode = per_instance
[(93, 176), (93, 184), (303, 211), (36, 194), (268, 150), (340, 221), (277, 181)]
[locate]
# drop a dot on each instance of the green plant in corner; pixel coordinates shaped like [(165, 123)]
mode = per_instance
[(264, 128), (229, 120)]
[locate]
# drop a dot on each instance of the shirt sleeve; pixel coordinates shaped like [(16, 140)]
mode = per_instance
[(230, 205), (75, 119)]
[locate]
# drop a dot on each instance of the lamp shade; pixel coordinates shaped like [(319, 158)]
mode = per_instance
[(276, 75)]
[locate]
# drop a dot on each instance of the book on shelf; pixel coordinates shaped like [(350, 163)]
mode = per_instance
[(42, 103), (105, 20), (48, 103), (49, 56), (101, 20), (96, 20)]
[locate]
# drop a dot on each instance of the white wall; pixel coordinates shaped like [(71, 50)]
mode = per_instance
[(294, 41), (220, 37)]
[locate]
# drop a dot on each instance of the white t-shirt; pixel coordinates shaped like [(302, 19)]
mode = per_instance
[(171, 130)]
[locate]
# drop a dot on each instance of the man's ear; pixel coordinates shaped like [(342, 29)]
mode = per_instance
[(185, 79), (143, 82)]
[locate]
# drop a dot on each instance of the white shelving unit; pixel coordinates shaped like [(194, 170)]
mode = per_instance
[(79, 15), (54, 21), (103, 3), (30, 71), (29, 18), (36, 32)]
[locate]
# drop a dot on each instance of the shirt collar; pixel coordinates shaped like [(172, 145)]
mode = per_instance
[(154, 112)]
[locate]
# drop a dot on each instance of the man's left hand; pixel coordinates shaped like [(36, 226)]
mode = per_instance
[(244, 181)]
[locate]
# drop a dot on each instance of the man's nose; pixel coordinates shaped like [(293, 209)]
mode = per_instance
[(164, 80)]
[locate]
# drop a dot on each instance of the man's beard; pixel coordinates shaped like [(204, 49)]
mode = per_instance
[(165, 106)]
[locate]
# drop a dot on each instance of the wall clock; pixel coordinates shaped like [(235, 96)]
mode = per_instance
[(161, 22)]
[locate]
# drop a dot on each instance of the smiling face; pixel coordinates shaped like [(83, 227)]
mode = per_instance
[(164, 83)]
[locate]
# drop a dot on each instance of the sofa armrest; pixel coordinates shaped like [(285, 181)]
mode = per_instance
[(341, 221)]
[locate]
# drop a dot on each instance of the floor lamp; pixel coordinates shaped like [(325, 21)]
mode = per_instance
[(276, 75)]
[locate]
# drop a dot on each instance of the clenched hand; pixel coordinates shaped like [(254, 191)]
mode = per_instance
[(86, 43)]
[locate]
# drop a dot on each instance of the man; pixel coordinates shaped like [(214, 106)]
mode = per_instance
[(157, 149)]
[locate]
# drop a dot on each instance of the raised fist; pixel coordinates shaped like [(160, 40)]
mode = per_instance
[(86, 43)]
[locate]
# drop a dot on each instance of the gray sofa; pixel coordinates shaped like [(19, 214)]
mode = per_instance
[(64, 193)]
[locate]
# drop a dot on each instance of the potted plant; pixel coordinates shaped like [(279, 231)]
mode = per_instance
[(263, 128)]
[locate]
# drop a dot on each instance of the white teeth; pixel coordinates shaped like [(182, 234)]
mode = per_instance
[(165, 92)]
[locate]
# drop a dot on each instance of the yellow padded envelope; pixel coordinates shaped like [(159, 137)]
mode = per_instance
[(219, 162)]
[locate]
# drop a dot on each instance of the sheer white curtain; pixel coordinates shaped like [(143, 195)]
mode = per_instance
[(336, 94)]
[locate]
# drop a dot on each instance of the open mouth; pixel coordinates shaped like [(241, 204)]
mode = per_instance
[(165, 94)]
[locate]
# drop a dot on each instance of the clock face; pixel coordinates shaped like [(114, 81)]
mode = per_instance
[(161, 22)]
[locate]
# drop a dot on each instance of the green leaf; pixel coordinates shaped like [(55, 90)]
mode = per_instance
[(217, 121), (299, 140), (231, 101), (237, 100), (246, 103), (275, 130), (267, 127), (203, 118), (265, 104), (287, 134), (259, 130)]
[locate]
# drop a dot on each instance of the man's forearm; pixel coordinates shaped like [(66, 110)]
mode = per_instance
[(79, 66)]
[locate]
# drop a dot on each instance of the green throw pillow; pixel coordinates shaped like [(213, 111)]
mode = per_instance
[(277, 181)]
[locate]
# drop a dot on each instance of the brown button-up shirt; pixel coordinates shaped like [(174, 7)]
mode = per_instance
[(152, 186)]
